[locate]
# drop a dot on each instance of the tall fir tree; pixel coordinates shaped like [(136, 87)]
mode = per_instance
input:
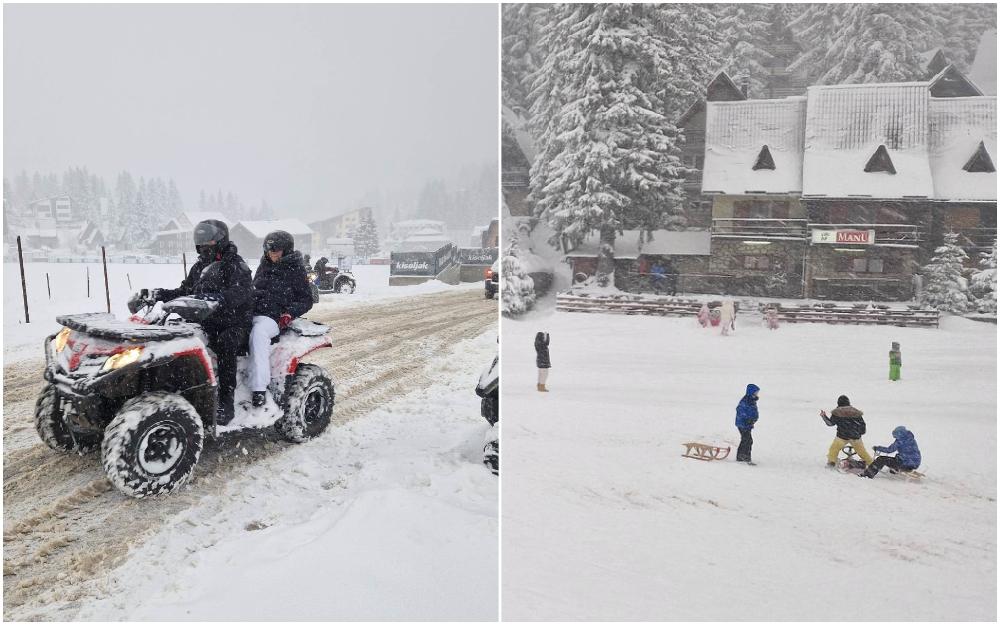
[(366, 241), (945, 287), (747, 30), (517, 289), (983, 286), (610, 157)]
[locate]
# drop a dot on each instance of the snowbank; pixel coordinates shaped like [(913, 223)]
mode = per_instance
[(603, 518)]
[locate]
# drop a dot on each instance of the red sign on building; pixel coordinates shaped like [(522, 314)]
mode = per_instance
[(854, 236)]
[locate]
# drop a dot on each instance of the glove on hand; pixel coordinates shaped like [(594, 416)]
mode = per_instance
[(284, 320)]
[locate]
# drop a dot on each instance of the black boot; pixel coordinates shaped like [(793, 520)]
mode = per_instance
[(259, 398), (225, 411)]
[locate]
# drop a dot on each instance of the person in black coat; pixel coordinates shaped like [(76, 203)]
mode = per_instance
[(281, 293), (542, 359), (220, 275)]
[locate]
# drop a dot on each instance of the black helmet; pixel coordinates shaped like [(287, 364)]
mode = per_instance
[(211, 230), (279, 240)]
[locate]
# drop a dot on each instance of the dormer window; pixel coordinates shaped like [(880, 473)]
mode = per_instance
[(880, 161), (980, 161), (764, 160)]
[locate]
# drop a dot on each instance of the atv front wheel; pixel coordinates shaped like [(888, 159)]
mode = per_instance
[(491, 456), (308, 405), (152, 445), (315, 293), (52, 429)]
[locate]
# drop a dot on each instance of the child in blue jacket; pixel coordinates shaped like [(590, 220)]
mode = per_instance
[(746, 417), (907, 455)]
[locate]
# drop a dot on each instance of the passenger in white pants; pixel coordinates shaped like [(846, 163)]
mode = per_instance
[(281, 292)]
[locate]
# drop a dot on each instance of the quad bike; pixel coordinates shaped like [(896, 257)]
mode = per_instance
[(489, 389), (491, 278), (145, 391), (311, 277), (340, 282)]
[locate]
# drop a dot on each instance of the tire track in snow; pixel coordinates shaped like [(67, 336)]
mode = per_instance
[(65, 528)]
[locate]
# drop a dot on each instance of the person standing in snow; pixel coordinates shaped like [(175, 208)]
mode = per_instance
[(281, 292), (771, 318), (542, 359), (658, 277), (895, 362), (850, 428), (746, 417), (907, 457), (220, 275), (703, 315), (728, 316)]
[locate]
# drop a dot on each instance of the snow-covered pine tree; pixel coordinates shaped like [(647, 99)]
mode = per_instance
[(610, 157), (517, 289), (945, 287), (175, 205), (746, 30), (983, 286), (366, 238), (519, 34)]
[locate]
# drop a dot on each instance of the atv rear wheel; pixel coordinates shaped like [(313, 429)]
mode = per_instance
[(52, 429), (491, 456), (152, 445), (344, 285), (308, 405), (315, 292)]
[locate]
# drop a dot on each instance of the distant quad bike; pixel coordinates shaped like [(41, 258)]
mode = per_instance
[(144, 391), (491, 278), (341, 282), (489, 389)]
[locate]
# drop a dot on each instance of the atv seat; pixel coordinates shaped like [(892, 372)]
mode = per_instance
[(302, 327)]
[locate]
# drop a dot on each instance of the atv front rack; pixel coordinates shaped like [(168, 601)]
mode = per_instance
[(106, 326)]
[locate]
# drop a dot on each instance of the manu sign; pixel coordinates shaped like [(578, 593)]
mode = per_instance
[(862, 237)]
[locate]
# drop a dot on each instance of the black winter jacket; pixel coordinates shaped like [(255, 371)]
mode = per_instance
[(542, 351), (850, 424), (282, 287), (227, 276)]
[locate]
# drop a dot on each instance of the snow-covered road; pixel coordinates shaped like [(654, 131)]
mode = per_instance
[(389, 514), (603, 518)]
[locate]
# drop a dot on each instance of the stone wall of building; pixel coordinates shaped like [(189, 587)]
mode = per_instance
[(864, 273), (758, 268)]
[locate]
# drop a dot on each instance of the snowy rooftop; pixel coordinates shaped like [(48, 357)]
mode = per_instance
[(957, 126), (735, 134), (339, 241), (418, 223), (260, 229), (984, 68), (193, 218), (665, 242), (845, 124)]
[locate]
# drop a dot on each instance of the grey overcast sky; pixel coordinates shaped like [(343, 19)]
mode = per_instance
[(304, 106)]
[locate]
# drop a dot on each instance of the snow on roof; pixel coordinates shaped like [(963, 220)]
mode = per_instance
[(735, 133), (427, 235), (957, 125), (339, 241), (42, 232), (260, 229), (172, 232), (665, 242), (984, 68), (521, 136), (415, 223), (194, 218), (845, 124)]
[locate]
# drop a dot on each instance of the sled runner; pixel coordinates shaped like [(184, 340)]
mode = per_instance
[(701, 451), (850, 461)]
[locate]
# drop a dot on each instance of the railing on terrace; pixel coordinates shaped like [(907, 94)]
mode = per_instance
[(514, 177), (884, 233), (976, 237), (760, 227)]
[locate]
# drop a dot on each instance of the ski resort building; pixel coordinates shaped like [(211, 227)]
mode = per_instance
[(249, 235), (177, 236), (845, 192), (340, 226)]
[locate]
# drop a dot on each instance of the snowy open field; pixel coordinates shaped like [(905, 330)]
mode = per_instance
[(69, 294), (603, 518)]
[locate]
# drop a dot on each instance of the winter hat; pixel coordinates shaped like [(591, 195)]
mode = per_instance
[(900, 432), (843, 401)]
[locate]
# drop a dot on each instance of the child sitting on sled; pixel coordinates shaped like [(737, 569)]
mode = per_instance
[(907, 456)]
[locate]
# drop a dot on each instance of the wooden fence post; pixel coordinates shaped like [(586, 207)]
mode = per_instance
[(107, 290), (88, 281), (48, 284), (184, 260), (24, 285), (129, 278)]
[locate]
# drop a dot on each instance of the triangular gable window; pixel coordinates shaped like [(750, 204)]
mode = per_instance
[(880, 161), (764, 160), (980, 161)]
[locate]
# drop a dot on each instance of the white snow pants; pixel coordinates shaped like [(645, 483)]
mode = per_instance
[(543, 375), (264, 329)]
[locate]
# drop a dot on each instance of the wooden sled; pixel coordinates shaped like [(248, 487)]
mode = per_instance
[(701, 451), (909, 476)]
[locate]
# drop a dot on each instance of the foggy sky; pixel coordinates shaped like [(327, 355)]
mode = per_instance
[(304, 106)]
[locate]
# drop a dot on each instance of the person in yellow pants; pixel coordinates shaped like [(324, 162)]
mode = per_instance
[(851, 427)]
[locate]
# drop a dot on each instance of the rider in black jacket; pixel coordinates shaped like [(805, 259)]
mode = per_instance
[(220, 275), (281, 292)]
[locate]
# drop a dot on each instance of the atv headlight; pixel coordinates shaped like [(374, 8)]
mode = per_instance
[(122, 359), (61, 338)]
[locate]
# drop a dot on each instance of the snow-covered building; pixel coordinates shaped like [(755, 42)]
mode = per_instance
[(843, 193), (425, 240), (340, 226), (249, 235), (685, 253), (57, 209), (516, 153), (177, 236)]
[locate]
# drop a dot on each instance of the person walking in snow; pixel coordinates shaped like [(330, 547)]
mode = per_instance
[(542, 359), (746, 417), (907, 456), (281, 293), (728, 316), (771, 317), (851, 427), (703, 315), (895, 362)]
